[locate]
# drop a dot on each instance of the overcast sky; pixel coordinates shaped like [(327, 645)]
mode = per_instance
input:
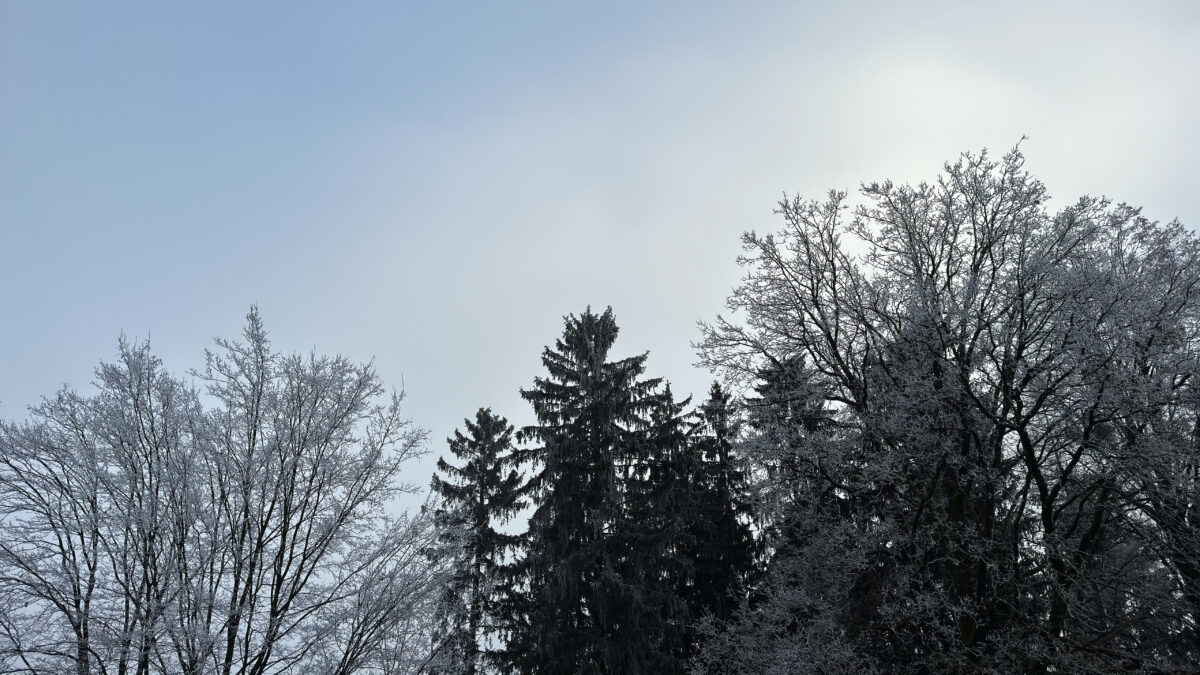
[(435, 185)]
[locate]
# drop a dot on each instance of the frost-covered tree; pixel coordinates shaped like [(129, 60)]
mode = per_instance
[(97, 519), (1003, 476), (308, 452), (481, 494), (145, 528)]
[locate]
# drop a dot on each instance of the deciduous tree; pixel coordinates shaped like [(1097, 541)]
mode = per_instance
[(1000, 384), (145, 528)]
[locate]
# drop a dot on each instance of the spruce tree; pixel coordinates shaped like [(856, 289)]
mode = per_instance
[(787, 410), (597, 600), (481, 493), (657, 538), (723, 546)]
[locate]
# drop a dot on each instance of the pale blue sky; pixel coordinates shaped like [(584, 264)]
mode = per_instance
[(435, 186)]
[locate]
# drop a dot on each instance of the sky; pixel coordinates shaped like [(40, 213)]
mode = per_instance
[(435, 185)]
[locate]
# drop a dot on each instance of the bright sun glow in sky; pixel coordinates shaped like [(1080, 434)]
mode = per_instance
[(434, 185)]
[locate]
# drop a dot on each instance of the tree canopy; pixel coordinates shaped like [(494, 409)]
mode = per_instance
[(1009, 394)]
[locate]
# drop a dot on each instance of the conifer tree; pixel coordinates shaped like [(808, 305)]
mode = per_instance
[(596, 599), (481, 493), (656, 535), (786, 410), (723, 547)]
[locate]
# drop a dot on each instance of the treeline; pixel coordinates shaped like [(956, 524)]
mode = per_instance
[(954, 432), (965, 439)]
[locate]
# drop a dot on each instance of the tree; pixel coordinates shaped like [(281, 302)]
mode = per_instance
[(595, 601), (95, 498), (141, 531), (481, 493), (386, 622), (307, 457), (999, 383), (655, 538), (722, 545)]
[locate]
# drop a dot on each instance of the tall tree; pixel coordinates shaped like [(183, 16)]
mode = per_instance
[(1010, 411), (722, 545), (656, 537), (309, 449), (481, 493), (590, 590), (144, 528), (95, 516)]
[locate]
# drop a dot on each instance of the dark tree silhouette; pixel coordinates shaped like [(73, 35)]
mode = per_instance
[(481, 493)]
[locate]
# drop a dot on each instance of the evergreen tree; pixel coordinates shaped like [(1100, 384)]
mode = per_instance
[(484, 491), (723, 546), (597, 598), (785, 412), (657, 538)]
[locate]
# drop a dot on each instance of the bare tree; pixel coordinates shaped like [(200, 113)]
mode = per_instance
[(52, 544), (145, 532), (386, 620)]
